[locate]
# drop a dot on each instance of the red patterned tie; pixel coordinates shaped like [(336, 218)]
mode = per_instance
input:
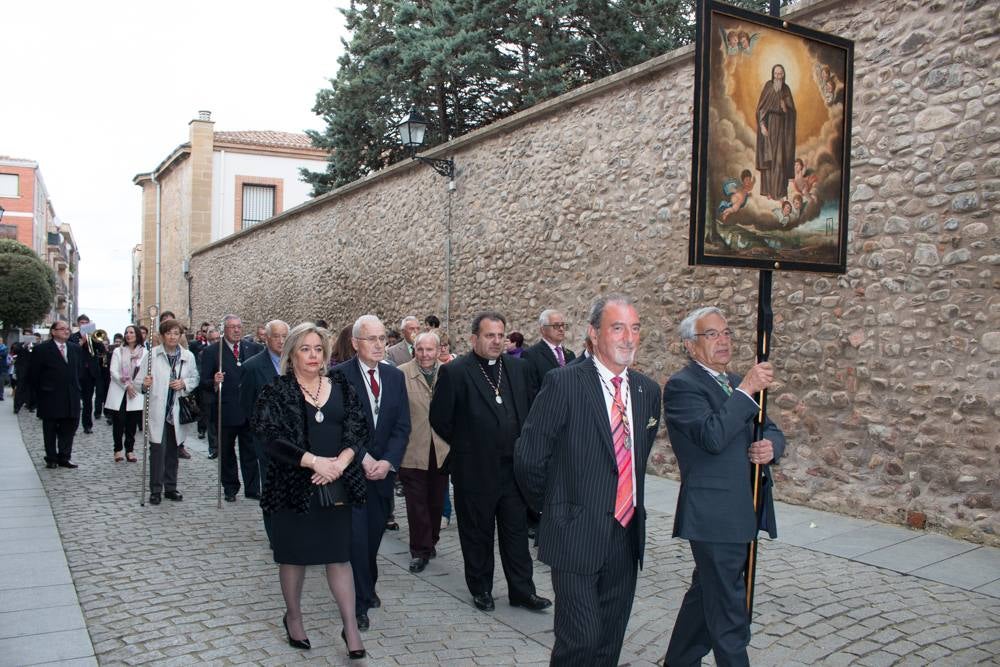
[(374, 383), (623, 455)]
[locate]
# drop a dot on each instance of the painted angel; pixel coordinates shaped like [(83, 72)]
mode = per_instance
[(747, 42)]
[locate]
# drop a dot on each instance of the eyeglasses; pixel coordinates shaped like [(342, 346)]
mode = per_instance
[(373, 339), (712, 334), (562, 326)]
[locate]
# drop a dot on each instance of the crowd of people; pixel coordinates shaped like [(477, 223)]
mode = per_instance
[(325, 427)]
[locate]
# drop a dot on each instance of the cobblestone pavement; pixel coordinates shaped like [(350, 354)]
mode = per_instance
[(186, 583)]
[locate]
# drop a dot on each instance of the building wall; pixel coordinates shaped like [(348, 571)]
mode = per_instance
[(20, 210), (887, 375), (228, 166)]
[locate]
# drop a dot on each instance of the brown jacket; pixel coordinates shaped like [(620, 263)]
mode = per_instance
[(421, 434)]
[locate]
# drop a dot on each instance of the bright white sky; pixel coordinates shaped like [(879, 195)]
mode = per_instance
[(96, 92)]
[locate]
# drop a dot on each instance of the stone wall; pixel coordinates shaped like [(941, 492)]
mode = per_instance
[(888, 375)]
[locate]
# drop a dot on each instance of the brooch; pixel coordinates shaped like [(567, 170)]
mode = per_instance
[(651, 423)]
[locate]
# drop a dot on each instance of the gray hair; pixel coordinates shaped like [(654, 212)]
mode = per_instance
[(270, 325), (687, 329), (362, 321), (601, 302), (424, 334), (229, 318), (402, 322), (546, 315), (295, 337)]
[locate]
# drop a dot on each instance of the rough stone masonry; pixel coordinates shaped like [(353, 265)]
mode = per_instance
[(888, 392)]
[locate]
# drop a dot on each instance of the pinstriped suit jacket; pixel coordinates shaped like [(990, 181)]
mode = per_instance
[(565, 464)]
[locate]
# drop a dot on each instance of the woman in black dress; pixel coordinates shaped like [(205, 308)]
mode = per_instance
[(313, 430)]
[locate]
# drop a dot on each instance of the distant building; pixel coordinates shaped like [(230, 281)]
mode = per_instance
[(30, 218), (215, 184)]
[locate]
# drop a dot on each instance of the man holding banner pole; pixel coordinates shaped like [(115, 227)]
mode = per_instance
[(710, 419)]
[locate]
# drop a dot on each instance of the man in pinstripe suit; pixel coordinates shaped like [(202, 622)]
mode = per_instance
[(710, 415), (581, 460)]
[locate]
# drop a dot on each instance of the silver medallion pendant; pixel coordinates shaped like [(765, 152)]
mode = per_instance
[(499, 400), (239, 363), (319, 416)]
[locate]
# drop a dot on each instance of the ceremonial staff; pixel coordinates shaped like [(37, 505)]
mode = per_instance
[(218, 420), (145, 407)]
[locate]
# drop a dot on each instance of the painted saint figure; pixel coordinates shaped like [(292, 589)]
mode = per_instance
[(775, 136)]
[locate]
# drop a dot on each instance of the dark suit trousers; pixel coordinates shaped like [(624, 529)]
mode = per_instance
[(88, 385), (124, 424), (58, 436), (713, 616), (477, 516), (163, 462), (424, 492), (367, 528), (248, 461), (592, 610)]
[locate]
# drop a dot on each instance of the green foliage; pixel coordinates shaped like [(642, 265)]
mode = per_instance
[(27, 286), (467, 63)]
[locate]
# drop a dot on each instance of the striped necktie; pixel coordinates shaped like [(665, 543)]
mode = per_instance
[(623, 455), (723, 381)]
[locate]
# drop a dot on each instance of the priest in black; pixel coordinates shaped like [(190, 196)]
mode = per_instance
[(479, 404)]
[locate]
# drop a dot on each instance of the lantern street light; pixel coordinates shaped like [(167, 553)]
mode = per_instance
[(411, 134)]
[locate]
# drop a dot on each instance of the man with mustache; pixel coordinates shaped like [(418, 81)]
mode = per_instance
[(581, 460), (479, 404), (710, 414)]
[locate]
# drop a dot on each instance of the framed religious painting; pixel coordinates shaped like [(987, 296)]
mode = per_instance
[(772, 131)]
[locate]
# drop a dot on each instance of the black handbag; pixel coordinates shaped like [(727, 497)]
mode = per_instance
[(190, 411), (332, 494)]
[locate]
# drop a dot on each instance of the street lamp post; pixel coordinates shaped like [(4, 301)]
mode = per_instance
[(411, 134)]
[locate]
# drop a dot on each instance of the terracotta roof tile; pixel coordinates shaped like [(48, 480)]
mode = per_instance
[(265, 138)]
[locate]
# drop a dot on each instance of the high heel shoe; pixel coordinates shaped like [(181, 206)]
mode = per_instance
[(353, 655), (294, 643)]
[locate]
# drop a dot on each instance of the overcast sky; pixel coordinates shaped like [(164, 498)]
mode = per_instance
[(96, 92)]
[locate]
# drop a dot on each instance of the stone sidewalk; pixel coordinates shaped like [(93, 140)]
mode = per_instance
[(186, 583)]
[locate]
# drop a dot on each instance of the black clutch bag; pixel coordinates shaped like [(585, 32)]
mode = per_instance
[(332, 494)]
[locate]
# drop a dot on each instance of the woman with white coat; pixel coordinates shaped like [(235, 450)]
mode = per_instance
[(174, 374), (124, 400)]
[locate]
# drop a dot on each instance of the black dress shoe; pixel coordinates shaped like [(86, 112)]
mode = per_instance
[(294, 643), (418, 565), (88, 430), (534, 603), (68, 464), (173, 495), (363, 623), (230, 497), (376, 601), (213, 455), (154, 498), (51, 464), (391, 525), (484, 602), (353, 655), (253, 496)]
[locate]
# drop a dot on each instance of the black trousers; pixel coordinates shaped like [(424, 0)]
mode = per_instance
[(247, 463), (592, 610), (124, 425), (88, 385), (163, 462), (367, 529), (713, 616), (22, 396), (424, 493), (58, 436), (477, 517)]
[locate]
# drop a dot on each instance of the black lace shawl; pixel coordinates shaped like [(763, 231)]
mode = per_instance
[(279, 421)]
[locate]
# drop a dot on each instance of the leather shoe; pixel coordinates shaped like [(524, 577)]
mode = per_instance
[(88, 430), (391, 525), (356, 654), (154, 498), (213, 455), (173, 495), (68, 464), (183, 453), (230, 497), (294, 643), (376, 601), (418, 565), (51, 464), (533, 603), (484, 602), (363, 623), (253, 496)]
